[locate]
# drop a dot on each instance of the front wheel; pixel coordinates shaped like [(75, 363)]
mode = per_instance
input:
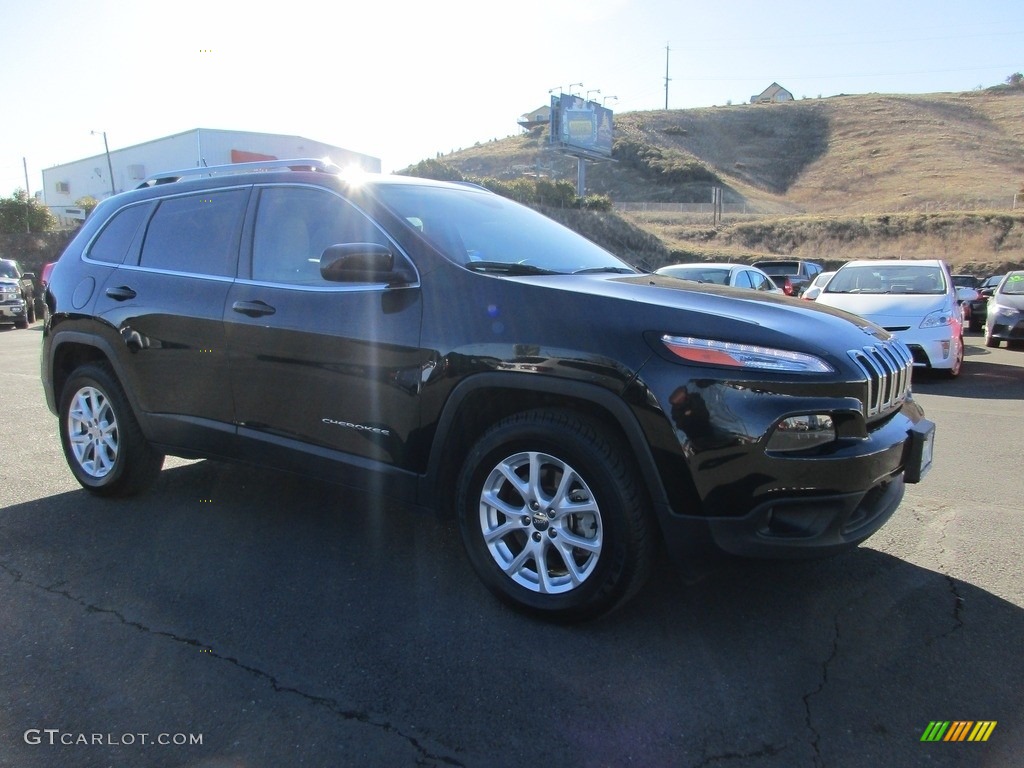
[(553, 517), (102, 441)]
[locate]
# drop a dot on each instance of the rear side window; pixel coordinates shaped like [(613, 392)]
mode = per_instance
[(115, 239), (196, 233), (743, 280)]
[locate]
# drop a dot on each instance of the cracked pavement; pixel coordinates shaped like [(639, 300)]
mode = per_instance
[(294, 623)]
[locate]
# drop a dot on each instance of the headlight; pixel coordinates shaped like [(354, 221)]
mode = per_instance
[(797, 433), (937, 319), (729, 355), (1007, 312)]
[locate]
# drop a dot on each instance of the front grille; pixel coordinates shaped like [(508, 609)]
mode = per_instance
[(887, 367)]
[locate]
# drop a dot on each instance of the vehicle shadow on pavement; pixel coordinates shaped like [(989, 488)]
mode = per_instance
[(978, 379), (289, 619)]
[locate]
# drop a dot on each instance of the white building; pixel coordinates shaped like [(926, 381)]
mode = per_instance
[(63, 184)]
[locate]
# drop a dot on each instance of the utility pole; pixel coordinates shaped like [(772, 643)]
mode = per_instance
[(110, 166), (28, 198), (667, 78)]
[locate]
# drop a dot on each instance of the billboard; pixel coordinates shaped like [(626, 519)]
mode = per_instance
[(581, 127)]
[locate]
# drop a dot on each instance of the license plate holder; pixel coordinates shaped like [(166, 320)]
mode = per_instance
[(920, 452)]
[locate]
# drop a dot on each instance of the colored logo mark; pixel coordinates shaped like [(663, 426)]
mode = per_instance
[(958, 730)]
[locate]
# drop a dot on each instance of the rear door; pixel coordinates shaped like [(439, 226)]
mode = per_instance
[(166, 301)]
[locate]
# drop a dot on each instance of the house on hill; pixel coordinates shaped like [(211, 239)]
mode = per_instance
[(539, 116), (773, 93)]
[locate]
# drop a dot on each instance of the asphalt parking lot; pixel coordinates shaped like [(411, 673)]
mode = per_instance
[(240, 618)]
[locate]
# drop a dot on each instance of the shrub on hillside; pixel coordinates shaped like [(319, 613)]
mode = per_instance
[(663, 164), (434, 169)]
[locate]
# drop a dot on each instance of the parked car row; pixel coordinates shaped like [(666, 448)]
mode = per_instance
[(916, 300)]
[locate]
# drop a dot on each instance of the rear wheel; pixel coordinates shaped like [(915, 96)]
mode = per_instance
[(553, 517), (102, 441)]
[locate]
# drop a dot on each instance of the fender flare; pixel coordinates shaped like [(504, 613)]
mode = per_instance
[(606, 400)]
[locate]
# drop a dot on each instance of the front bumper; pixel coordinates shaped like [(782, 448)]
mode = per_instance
[(932, 348), (809, 527), (1006, 328), (13, 310), (799, 522)]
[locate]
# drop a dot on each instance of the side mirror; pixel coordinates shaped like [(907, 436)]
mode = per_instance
[(966, 294), (363, 263)]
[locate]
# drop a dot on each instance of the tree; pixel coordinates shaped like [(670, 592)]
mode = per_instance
[(1016, 80), (19, 213), (87, 203)]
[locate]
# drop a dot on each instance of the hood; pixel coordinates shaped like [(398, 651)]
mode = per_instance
[(658, 304), (1012, 300)]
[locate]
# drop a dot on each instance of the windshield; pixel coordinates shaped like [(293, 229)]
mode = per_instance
[(1014, 284), (7, 269), (896, 278), (489, 233)]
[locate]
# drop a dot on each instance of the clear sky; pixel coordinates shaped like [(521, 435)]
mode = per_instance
[(403, 80)]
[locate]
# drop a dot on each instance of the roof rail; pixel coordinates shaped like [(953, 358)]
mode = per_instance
[(299, 164)]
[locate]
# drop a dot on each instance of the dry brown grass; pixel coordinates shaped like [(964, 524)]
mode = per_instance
[(837, 178)]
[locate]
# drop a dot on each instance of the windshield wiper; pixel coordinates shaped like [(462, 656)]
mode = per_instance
[(614, 270), (508, 268)]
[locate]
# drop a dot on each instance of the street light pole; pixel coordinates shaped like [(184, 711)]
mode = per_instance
[(110, 166), (28, 199)]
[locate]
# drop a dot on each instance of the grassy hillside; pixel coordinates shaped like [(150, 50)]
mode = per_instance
[(829, 179)]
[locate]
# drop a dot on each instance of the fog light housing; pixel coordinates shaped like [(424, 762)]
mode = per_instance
[(798, 433)]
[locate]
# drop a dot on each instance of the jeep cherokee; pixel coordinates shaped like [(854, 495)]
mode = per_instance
[(442, 344)]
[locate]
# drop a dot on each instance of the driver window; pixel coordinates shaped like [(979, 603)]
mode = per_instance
[(293, 227)]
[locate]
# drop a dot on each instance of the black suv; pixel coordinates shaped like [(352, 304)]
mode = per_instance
[(442, 344), (793, 277)]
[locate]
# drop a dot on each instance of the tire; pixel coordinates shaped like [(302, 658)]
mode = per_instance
[(975, 325), (21, 323), (102, 441), (536, 482), (990, 341)]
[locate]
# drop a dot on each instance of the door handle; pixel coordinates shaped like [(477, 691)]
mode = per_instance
[(253, 308), (121, 293)]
